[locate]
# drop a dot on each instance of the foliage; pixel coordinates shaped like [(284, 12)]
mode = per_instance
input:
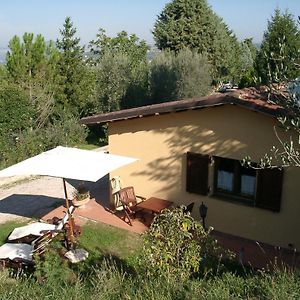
[(279, 55), (121, 70), (193, 24), (66, 132), (178, 76), (81, 193), (288, 153), (32, 66), (247, 76), (176, 245), (128, 45), (282, 64), (16, 112), (111, 81), (76, 78), (110, 277)]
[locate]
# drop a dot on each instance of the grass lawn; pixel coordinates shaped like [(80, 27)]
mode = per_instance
[(112, 272), (7, 228), (103, 239), (88, 146)]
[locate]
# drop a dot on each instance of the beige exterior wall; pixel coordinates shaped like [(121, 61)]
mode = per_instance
[(161, 142)]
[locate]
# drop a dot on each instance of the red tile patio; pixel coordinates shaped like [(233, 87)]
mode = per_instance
[(94, 211)]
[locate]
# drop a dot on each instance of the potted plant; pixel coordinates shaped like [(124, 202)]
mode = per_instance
[(81, 196)]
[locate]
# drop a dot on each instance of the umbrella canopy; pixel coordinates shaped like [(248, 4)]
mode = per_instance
[(71, 163)]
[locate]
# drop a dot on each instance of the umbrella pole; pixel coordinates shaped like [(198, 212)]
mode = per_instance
[(71, 223)]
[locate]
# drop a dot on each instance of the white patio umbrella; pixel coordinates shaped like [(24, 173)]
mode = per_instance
[(69, 163)]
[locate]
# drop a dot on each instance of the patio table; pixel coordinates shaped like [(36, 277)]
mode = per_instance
[(154, 205)]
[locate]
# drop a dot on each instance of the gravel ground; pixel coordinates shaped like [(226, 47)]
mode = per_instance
[(30, 197), (33, 197)]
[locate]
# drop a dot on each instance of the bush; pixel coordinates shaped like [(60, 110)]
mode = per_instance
[(177, 246), (67, 132)]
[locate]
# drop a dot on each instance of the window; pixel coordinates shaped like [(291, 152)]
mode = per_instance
[(260, 188), (231, 178)]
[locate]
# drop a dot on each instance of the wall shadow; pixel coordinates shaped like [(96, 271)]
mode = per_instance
[(222, 131)]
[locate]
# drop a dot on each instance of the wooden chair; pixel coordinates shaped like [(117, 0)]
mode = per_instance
[(129, 201)]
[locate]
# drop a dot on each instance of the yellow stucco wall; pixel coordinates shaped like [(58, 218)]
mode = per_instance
[(161, 142)]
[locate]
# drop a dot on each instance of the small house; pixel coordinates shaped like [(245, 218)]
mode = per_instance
[(190, 151)]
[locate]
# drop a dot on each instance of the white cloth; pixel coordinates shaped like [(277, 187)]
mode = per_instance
[(37, 228), (12, 251), (248, 185), (33, 228), (225, 181), (77, 255)]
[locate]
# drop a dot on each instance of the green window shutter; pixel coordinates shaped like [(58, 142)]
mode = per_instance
[(197, 173), (269, 188)]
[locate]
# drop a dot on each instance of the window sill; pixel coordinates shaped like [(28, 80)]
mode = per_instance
[(233, 199)]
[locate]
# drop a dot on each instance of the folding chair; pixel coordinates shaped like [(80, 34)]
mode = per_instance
[(129, 201), (28, 233), (19, 255)]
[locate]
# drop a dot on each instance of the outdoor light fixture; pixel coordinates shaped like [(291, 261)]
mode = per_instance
[(203, 212)]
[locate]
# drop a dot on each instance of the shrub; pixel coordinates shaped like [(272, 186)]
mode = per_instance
[(176, 245), (67, 132)]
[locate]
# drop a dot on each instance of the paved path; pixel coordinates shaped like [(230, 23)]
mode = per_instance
[(30, 198)]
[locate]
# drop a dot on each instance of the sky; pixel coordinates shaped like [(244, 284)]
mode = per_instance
[(246, 18)]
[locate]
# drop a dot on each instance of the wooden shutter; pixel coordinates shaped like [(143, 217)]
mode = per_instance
[(197, 173), (269, 188)]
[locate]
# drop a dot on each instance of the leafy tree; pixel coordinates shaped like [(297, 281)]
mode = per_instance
[(16, 115), (193, 24), (76, 79), (32, 66), (125, 83), (15, 110), (279, 55), (177, 76), (247, 58), (130, 46), (111, 81)]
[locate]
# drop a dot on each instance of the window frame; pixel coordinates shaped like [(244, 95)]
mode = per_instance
[(268, 186), (235, 195)]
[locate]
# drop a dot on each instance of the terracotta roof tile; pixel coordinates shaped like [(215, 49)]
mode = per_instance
[(250, 98)]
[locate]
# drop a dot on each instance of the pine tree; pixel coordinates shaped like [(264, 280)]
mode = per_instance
[(32, 66), (193, 24), (76, 80), (279, 56), (31, 62)]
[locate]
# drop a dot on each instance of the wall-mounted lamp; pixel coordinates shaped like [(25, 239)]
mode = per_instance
[(203, 213)]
